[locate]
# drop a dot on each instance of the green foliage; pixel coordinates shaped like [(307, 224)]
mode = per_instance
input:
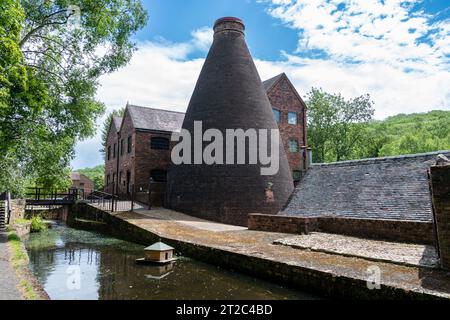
[(336, 125), (413, 133), (400, 134), (107, 125), (49, 72), (38, 224), (96, 174)]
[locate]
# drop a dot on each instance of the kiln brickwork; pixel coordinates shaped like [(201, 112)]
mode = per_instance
[(229, 95), (142, 124)]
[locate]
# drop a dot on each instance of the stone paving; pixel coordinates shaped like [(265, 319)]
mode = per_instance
[(401, 253), (259, 244), (8, 280), (166, 214)]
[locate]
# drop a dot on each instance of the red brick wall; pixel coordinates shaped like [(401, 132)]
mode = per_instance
[(126, 160), (284, 98), (84, 183), (440, 186), (391, 230), (110, 165), (148, 159)]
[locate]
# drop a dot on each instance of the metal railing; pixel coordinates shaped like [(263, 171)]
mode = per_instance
[(38, 194), (114, 203)]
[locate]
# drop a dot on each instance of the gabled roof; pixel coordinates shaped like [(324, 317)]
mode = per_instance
[(155, 119), (390, 188), (145, 118), (117, 121), (269, 83), (74, 176), (159, 246)]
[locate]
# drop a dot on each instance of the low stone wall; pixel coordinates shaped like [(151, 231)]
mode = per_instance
[(287, 224), (59, 213), (23, 229), (17, 210), (390, 230)]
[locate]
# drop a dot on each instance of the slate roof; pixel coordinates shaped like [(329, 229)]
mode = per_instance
[(155, 119), (159, 246), (117, 122), (165, 120), (391, 188), (269, 83), (75, 176)]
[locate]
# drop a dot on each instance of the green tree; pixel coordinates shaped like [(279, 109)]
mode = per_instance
[(52, 54), (107, 125), (335, 125), (96, 174)]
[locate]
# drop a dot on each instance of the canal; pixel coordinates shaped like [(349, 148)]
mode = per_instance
[(75, 264)]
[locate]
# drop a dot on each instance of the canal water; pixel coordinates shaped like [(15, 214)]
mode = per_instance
[(75, 264)]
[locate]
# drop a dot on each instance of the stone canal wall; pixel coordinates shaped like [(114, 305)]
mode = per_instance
[(321, 282), (58, 213), (17, 210), (391, 230)]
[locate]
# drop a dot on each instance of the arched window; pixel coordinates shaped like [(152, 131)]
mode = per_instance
[(293, 145), (276, 114), (160, 143), (159, 175)]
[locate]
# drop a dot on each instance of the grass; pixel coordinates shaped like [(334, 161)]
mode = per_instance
[(21, 221), (20, 265), (37, 224)]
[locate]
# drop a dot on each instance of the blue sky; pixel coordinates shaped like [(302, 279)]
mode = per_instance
[(397, 51)]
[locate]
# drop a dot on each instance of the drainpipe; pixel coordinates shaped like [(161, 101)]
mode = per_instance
[(116, 191), (305, 156)]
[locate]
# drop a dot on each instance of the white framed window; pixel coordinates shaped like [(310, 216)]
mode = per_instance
[(292, 118), (277, 114), (293, 145)]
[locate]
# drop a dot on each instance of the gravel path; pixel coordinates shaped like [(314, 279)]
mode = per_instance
[(8, 280)]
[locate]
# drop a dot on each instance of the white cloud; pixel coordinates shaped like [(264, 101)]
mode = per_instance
[(373, 47), (401, 75)]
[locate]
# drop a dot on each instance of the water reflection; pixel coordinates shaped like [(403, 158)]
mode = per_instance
[(105, 269)]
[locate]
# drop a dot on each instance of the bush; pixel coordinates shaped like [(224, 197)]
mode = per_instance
[(37, 224)]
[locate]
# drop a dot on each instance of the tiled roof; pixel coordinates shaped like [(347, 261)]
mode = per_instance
[(155, 119), (392, 188)]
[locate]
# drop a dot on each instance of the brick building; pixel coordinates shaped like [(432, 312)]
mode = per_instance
[(138, 145), (80, 181)]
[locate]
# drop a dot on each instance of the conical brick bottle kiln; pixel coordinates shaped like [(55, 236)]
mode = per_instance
[(229, 95)]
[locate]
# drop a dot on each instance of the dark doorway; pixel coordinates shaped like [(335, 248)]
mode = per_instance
[(159, 175), (128, 182)]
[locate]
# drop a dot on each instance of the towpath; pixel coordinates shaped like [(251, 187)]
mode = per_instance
[(8, 280)]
